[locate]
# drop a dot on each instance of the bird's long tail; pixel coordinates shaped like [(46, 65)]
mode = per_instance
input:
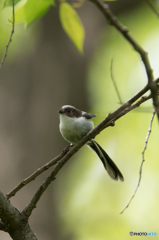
[(109, 165)]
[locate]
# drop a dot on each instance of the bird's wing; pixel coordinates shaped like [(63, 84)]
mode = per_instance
[(88, 115)]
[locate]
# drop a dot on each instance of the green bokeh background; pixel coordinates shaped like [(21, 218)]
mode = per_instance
[(88, 201)]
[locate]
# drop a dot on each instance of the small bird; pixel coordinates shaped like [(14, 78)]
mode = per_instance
[(74, 125)]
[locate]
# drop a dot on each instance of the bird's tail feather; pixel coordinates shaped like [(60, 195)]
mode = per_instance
[(109, 165)]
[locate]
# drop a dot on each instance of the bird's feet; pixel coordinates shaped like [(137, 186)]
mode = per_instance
[(67, 148)]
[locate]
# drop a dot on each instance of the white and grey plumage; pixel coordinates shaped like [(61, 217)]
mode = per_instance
[(74, 125)]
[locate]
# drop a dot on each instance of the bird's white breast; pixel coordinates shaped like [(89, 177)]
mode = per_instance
[(74, 129)]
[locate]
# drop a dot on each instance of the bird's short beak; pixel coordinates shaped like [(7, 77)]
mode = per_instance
[(61, 111)]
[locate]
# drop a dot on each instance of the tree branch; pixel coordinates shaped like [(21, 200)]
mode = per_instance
[(34, 175), (13, 222), (10, 39), (108, 121), (8, 213), (3, 226), (104, 8), (122, 110), (152, 7)]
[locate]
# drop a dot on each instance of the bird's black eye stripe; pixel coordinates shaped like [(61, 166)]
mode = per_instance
[(68, 110)]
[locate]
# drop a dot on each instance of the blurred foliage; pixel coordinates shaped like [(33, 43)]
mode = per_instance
[(72, 25), (154, 4), (90, 201), (29, 10), (8, 3), (18, 46)]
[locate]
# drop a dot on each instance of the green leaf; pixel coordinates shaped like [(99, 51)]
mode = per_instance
[(72, 25), (31, 10), (36, 9), (8, 3), (19, 14)]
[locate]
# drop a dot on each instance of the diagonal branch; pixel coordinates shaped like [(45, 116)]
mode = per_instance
[(104, 8), (108, 121), (54, 161), (34, 175), (10, 39), (152, 7)]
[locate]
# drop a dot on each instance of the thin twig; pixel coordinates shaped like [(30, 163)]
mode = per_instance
[(152, 7), (111, 18), (143, 160), (114, 82), (10, 39), (35, 175)]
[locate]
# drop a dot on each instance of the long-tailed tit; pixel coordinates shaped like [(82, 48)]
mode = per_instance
[(74, 125)]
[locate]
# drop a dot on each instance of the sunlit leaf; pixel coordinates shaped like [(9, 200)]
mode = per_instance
[(31, 10), (19, 14), (36, 9), (8, 3), (72, 25)]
